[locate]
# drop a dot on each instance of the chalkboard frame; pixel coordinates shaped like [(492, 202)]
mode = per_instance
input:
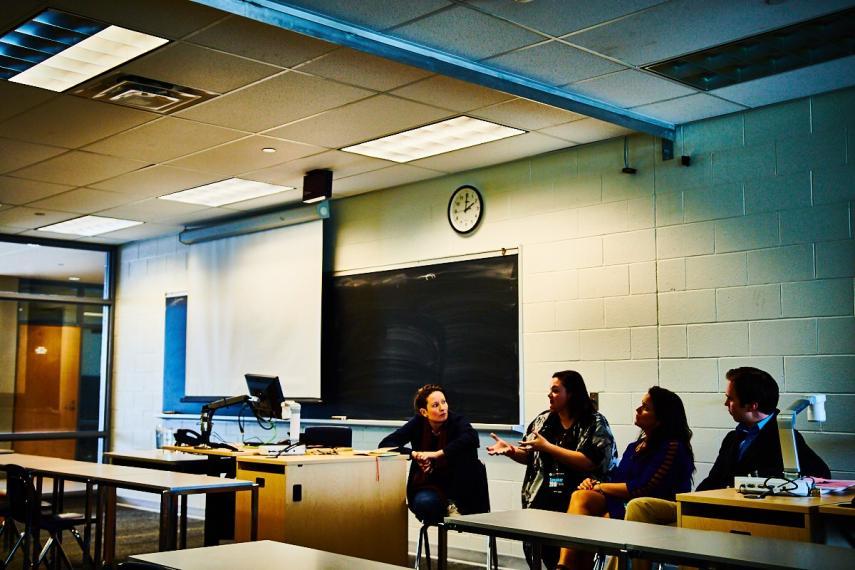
[(495, 398)]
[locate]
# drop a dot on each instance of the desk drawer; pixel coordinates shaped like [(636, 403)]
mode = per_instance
[(750, 521)]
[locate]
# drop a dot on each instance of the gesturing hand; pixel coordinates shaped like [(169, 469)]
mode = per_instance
[(587, 484), (537, 442), (501, 447)]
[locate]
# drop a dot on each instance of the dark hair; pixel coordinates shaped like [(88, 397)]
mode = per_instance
[(420, 399), (753, 385), (580, 404), (673, 423)]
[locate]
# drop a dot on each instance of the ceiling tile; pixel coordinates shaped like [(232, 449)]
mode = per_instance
[(10, 230), (20, 191), (245, 155), (79, 168), (450, 93), (16, 98), (466, 33), (274, 102), (31, 218), (164, 18), (198, 67), (558, 17), (828, 76), (262, 42), (630, 88), (151, 210), (157, 181), (363, 70), (525, 114), (83, 201), (342, 164), (71, 122), (505, 150), (294, 196), (164, 139), (143, 231), (688, 108), (554, 63), (17, 154), (683, 26), (364, 120), (587, 130), (375, 14), (383, 178)]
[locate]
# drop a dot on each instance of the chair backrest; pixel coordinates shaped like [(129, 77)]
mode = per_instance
[(19, 492), (328, 436)]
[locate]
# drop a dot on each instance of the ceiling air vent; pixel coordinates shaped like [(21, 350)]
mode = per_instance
[(143, 93)]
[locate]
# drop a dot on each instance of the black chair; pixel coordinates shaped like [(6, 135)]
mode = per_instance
[(21, 494), (328, 436), (8, 529)]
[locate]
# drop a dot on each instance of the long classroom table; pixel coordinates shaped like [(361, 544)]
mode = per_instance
[(626, 540), (169, 485)]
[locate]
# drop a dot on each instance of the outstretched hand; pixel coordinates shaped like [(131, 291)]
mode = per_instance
[(536, 442), (501, 447)]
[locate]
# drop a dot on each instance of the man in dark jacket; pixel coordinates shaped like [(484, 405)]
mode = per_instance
[(754, 446)]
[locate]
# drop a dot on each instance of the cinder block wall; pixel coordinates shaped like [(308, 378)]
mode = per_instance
[(670, 276)]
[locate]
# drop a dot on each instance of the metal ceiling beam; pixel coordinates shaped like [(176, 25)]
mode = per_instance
[(342, 33)]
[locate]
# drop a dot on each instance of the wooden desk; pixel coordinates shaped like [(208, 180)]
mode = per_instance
[(838, 523), (261, 554), (347, 504), (628, 539), (169, 485), (726, 510)]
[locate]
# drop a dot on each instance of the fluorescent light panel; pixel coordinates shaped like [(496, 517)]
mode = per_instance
[(225, 192), (89, 226), (57, 51), (445, 136)]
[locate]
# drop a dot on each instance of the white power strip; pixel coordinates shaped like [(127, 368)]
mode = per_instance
[(276, 450), (773, 486)]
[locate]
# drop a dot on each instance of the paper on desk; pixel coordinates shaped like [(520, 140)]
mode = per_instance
[(380, 452), (834, 485)]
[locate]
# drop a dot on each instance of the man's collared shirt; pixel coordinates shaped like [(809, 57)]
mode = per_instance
[(750, 433)]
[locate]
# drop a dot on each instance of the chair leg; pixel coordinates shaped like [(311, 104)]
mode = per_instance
[(18, 543), (427, 547), (419, 549), (492, 554)]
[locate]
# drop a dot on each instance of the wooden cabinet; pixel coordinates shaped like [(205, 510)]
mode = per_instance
[(351, 505)]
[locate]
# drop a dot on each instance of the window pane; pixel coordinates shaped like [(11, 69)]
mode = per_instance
[(30, 268), (51, 372)]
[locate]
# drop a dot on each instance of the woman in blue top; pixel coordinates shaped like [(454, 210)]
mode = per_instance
[(658, 464)]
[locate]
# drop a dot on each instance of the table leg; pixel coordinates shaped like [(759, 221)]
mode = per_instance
[(87, 514), (99, 527), (624, 560), (109, 530), (182, 533), (442, 547), (253, 529), (168, 515), (537, 554)]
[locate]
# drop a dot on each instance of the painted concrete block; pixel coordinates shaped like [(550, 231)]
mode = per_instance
[(832, 185), (604, 281), (552, 346), (786, 120), (644, 342), (713, 202), (602, 219), (553, 286), (545, 227), (671, 274), (538, 317), (824, 374), (838, 409), (588, 252), (823, 297), (606, 344), (830, 110), (706, 410), (583, 190), (781, 264), (580, 314), (685, 240), (687, 307), (740, 163), (748, 303), (672, 342), (618, 408), (790, 336), (837, 335), (722, 270), (774, 365), (631, 375), (631, 311), (774, 193), (629, 247), (835, 259), (689, 374), (714, 134), (820, 223), (620, 186), (669, 208), (640, 213), (543, 257), (745, 233), (593, 372), (642, 277), (819, 149), (836, 449), (719, 339), (706, 443), (671, 176)]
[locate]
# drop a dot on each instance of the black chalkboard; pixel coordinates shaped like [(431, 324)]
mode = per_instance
[(387, 333)]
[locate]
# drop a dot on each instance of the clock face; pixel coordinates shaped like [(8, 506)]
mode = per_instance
[(465, 209)]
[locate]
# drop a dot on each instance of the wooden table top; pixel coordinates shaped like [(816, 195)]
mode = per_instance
[(732, 498)]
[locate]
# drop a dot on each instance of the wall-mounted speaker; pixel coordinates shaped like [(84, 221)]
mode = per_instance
[(317, 186)]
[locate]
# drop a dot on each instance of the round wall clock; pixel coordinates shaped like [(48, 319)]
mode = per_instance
[(465, 209)]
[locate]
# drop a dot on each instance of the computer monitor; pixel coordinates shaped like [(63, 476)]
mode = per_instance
[(268, 394)]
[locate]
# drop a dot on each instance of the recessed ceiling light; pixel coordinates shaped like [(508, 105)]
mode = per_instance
[(56, 51), (445, 136), (74, 278), (225, 192), (89, 226), (268, 149)]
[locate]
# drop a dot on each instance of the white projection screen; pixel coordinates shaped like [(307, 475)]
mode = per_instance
[(254, 305)]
